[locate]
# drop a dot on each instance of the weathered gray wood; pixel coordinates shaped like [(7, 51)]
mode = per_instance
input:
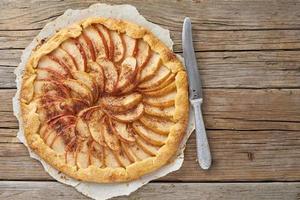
[(277, 69), (211, 15), (10, 190), (10, 57), (237, 156)]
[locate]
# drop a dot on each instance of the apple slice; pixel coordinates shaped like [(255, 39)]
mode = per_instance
[(121, 103), (70, 155), (48, 97), (110, 73), (143, 53), (53, 88), (162, 101), (110, 159), (158, 125), (61, 122), (50, 137), (52, 109), (75, 104), (128, 152), (163, 91), (119, 47), (148, 135), (138, 152), (67, 134), (58, 144), (106, 34), (82, 128), (43, 130), (61, 63), (50, 105), (70, 158), (130, 115), (47, 63), (64, 58), (95, 126), (162, 74), (89, 81), (87, 46), (151, 67), (75, 50), (109, 137), (91, 114), (122, 130), (169, 80), (46, 113), (82, 155), (46, 132), (131, 46), (48, 73), (122, 159), (146, 147), (96, 154), (98, 41), (97, 73), (63, 128), (127, 73), (129, 88), (78, 89), (167, 112), (59, 105)]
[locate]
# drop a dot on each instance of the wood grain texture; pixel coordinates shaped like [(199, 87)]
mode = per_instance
[(258, 69), (10, 190), (231, 109), (204, 40), (206, 14), (248, 56), (237, 155)]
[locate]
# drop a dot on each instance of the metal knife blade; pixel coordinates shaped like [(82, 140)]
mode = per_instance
[(203, 152), (190, 60)]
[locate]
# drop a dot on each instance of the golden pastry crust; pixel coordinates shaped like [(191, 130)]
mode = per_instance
[(93, 173)]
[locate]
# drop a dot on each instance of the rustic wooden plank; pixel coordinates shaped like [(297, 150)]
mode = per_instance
[(238, 156), (278, 69), (258, 69), (7, 77), (203, 40), (207, 15), (8, 136), (10, 57), (10, 190), (233, 109)]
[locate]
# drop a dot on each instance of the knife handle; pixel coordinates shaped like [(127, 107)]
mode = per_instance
[(203, 151)]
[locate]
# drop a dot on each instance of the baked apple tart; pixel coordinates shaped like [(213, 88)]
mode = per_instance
[(104, 100)]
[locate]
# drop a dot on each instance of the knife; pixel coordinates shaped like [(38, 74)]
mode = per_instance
[(195, 91)]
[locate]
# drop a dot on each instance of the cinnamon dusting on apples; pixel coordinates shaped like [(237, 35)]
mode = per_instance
[(94, 91)]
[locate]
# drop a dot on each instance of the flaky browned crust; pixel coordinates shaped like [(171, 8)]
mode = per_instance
[(92, 173)]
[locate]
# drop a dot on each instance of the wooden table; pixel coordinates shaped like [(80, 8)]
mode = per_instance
[(249, 58)]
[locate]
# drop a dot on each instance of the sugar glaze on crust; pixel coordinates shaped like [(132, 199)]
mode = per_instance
[(148, 103)]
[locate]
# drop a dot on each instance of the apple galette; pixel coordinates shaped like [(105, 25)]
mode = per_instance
[(104, 100)]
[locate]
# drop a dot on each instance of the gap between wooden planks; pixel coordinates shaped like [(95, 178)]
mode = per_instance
[(10, 190)]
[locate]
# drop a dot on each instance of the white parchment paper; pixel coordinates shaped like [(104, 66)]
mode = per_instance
[(95, 190)]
